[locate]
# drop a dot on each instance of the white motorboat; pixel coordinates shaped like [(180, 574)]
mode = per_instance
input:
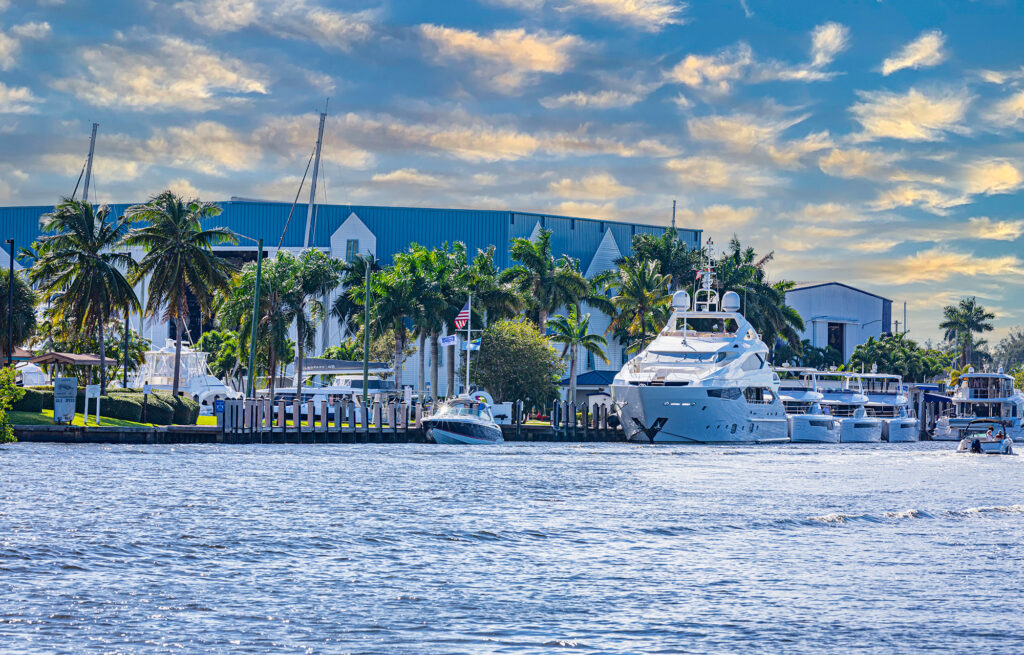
[(462, 420), (985, 436), (888, 401), (194, 377), (808, 422), (844, 398), (705, 378), (985, 396)]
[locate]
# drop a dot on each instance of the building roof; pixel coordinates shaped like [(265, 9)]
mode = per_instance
[(592, 379), (803, 286), (394, 227), (71, 359)]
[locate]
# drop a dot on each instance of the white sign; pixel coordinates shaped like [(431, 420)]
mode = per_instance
[(64, 392), (92, 391), (407, 395), (449, 340)]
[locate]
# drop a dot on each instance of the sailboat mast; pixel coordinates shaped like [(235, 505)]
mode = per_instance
[(88, 163), (469, 339), (312, 186)]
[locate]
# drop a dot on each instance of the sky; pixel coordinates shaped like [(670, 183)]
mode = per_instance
[(874, 143)]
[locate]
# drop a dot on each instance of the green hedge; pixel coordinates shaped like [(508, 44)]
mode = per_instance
[(35, 400), (127, 407), (126, 404), (159, 410)]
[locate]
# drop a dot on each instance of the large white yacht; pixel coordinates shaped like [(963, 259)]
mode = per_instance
[(194, 377), (808, 422), (985, 396), (844, 398), (888, 401), (704, 378)]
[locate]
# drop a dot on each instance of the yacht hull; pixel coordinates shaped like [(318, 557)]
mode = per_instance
[(451, 431), (813, 428), (900, 430), (860, 430), (655, 414)]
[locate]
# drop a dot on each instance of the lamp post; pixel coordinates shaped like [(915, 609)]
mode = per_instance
[(255, 317), (10, 306)]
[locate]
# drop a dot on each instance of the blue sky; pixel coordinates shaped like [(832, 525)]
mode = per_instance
[(876, 143)]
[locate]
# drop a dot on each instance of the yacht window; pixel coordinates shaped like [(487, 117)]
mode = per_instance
[(692, 356), (752, 363), (707, 325), (759, 395), (732, 393)]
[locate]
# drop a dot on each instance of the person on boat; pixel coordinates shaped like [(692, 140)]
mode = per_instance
[(976, 446), (1006, 448), (965, 445), (988, 434)]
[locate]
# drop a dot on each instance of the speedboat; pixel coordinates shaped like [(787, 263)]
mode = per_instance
[(974, 437), (888, 401), (808, 422), (705, 378), (986, 396), (844, 398), (462, 420)]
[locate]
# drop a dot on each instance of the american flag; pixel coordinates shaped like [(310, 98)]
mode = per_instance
[(462, 318)]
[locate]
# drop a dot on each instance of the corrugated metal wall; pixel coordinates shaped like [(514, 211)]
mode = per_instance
[(395, 227)]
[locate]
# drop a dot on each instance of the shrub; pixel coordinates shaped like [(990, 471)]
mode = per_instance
[(9, 395), (159, 410), (35, 401), (127, 407), (186, 411)]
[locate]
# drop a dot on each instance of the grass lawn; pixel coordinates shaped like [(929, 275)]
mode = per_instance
[(46, 418)]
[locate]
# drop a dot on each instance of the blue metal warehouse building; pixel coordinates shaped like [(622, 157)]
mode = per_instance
[(345, 230)]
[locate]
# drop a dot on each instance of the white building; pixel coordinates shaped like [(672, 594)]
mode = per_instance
[(838, 315)]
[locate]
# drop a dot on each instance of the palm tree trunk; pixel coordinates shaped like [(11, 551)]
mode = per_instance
[(572, 374), (434, 366), (300, 329), (423, 362), (399, 353), (103, 362), (542, 320), (273, 373), (177, 347)]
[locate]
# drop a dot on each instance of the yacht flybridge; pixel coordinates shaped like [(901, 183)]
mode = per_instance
[(704, 379)]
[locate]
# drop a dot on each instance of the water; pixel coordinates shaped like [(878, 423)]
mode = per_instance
[(531, 548)]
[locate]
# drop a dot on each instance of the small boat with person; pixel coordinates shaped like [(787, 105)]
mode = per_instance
[(986, 436), (462, 420)]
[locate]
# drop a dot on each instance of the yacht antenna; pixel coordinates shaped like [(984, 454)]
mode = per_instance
[(673, 214)]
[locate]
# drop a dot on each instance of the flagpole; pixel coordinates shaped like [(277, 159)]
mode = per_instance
[(469, 338)]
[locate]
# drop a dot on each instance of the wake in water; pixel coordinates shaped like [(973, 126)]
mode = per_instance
[(915, 514)]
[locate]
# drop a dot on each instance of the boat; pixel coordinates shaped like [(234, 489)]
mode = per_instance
[(888, 401), (974, 437), (462, 420), (985, 396), (705, 378), (844, 398), (194, 378), (807, 420)]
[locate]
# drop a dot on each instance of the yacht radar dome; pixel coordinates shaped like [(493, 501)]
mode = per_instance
[(681, 300), (731, 301)]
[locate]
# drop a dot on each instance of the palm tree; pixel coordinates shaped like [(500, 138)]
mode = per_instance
[(642, 301), (24, 311), (344, 308), (962, 322), (317, 274), (275, 310), (392, 301), (179, 258), (673, 256), (81, 268), (573, 332), (546, 282), (496, 298)]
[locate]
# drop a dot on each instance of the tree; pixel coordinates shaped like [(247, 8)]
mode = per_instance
[(573, 332), (899, 355), (275, 312), (1009, 352), (24, 310), (393, 301), (642, 301), (962, 321), (9, 394), (317, 274), (808, 355), (353, 275), (547, 283), (225, 359), (81, 269), (517, 362), (673, 256), (179, 259)]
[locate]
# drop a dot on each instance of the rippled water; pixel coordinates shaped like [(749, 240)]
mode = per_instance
[(516, 548)]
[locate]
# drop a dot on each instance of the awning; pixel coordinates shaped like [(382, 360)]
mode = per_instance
[(592, 379), (318, 366), (937, 398), (71, 359)]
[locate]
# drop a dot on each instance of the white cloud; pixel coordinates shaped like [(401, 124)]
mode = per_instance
[(409, 176), (105, 167), (983, 227), (719, 216), (874, 245), (16, 100), (208, 147), (293, 19), (939, 264), (748, 133), (601, 186), (925, 50), (649, 15), (507, 59), (585, 209), (292, 137), (1002, 77), (913, 116), (173, 75), (874, 165), (928, 199), (1009, 111), (485, 179), (992, 176), (716, 73), (827, 41), (710, 172), (10, 42), (606, 99)]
